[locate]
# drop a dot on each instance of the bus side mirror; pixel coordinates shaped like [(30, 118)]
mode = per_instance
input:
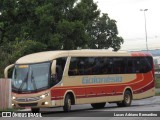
[(7, 69), (53, 67), (53, 72)]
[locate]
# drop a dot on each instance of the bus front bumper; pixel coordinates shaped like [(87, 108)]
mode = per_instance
[(21, 101)]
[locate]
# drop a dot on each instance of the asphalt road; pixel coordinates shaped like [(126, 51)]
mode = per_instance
[(149, 104), (146, 106)]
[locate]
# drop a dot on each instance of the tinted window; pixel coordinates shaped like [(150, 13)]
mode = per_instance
[(109, 65), (136, 67), (84, 66), (145, 64), (90, 66), (119, 65)]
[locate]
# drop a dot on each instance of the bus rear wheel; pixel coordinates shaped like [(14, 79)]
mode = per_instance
[(67, 103), (35, 110), (98, 105), (126, 100)]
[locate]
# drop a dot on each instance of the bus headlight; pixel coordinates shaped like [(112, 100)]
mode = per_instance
[(13, 98), (44, 95)]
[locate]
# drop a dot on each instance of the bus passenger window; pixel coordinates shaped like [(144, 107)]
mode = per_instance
[(107, 67), (119, 65), (145, 65), (73, 68), (130, 66), (137, 65)]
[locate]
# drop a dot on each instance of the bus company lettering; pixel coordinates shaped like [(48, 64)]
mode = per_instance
[(95, 80)]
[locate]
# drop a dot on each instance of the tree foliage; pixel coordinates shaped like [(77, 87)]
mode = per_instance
[(28, 26), (104, 34)]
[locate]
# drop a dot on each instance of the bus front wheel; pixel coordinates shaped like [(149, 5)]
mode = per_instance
[(67, 103), (126, 100), (98, 105)]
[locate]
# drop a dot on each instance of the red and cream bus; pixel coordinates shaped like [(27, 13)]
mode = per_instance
[(65, 78)]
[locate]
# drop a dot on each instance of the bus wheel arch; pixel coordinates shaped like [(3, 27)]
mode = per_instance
[(128, 89), (127, 98), (71, 93), (69, 99)]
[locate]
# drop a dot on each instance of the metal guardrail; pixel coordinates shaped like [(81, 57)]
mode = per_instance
[(157, 73), (5, 93)]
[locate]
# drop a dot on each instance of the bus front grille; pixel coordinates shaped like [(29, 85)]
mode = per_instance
[(27, 99), (28, 105)]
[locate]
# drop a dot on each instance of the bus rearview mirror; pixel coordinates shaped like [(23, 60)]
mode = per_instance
[(53, 67), (6, 70)]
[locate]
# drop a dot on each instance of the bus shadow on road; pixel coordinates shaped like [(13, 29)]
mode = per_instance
[(83, 112), (89, 112)]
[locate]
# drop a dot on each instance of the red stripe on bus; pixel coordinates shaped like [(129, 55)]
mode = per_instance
[(144, 89)]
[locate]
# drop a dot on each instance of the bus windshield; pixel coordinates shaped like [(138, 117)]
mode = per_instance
[(31, 78)]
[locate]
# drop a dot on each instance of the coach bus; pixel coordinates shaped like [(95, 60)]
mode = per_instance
[(65, 78)]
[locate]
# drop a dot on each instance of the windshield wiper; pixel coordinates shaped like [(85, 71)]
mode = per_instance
[(32, 80), (25, 80)]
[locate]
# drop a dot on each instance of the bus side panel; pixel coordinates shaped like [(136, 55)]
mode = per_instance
[(141, 85), (56, 97)]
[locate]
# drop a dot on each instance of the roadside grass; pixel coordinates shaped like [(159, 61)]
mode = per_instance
[(157, 94), (157, 84), (8, 110)]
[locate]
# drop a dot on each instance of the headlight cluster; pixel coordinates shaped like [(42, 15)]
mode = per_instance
[(13, 98), (44, 95), (31, 98)]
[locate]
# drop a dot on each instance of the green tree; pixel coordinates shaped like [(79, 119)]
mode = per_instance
[(53, 23), (103, 34), (9, 53), (28, 26)]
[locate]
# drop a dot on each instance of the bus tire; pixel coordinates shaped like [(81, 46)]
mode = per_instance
[(35, 110), (67, 103), (127, 100), (98, 105)]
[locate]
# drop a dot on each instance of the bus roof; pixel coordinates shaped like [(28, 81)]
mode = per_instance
[(50, 55)]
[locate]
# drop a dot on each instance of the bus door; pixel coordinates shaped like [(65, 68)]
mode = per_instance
[(57, 70)]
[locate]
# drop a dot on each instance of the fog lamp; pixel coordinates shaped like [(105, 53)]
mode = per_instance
[(46, 103), (13, 98)]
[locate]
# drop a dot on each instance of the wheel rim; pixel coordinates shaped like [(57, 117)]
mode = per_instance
[(69, 103), (127, 98)]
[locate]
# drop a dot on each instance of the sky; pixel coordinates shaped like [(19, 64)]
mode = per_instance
[(131, 22)]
